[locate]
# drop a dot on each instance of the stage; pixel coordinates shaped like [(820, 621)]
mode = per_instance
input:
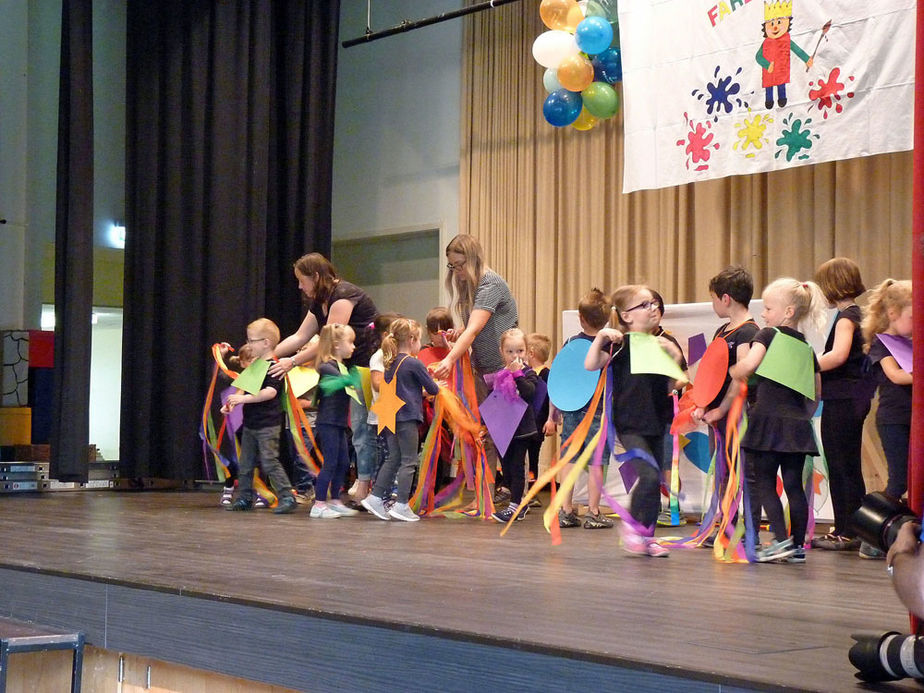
[(442, 604)]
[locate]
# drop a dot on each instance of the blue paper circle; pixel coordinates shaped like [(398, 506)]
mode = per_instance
[(571, 386)]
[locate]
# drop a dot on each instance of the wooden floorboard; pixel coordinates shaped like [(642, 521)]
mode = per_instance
[(773, 625)]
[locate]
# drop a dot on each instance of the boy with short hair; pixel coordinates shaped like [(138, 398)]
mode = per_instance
[(262, 426), (538, 348)]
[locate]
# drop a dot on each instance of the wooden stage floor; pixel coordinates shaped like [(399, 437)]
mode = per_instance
[(738, 626)]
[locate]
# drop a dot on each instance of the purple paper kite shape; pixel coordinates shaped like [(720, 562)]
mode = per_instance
[(900, 348), (501, 416), (696, 347), (236, 418)]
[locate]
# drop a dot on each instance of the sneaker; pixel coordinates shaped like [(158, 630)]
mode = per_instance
[(597, 521), (227, 495), (376, 506), (633, 542), (709, 542), (340, 508), (501, 495), (567, 519), (286, 505), (323, 512), (535, 502), (260, 503), (655, 550), (871, 552), (304, 497), (836, 542), (776, 550), (666, 520), (798, 556), (503, 516), (402, 511), (239, 504)]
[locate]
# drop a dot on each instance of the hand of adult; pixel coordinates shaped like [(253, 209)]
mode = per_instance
[(281, 367), (907, 541), (441, 369)]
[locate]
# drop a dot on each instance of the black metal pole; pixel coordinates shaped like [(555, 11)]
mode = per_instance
[(410, 26)]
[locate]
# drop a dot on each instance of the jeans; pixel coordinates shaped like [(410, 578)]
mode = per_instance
[(363, 440), (261, 446), (401, 460), (302, 476), (895, 439), (646, 498), (335, 448)]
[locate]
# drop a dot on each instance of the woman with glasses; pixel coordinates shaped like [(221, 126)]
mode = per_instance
[(482, 300), (331, 300)]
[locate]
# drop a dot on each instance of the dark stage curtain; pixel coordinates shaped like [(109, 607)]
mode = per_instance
[(73, 246), (229, 152)]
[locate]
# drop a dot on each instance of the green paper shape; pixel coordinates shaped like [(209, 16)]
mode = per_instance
[(789, 362), (251, 378), (647, 356)]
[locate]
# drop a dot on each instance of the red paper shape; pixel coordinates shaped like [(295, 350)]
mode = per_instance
[(710, 376)]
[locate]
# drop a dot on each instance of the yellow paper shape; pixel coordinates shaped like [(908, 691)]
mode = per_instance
[(647, 356), (251, 378), (789, 362), (388, 405), (365, 376), (302, 379)]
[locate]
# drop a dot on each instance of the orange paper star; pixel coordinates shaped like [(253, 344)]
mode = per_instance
[(388, 405)]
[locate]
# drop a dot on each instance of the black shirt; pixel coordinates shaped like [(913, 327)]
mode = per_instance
[(269, 412), (641, 401), (743, 334), (364, 312), (844, 381), (894, 400)]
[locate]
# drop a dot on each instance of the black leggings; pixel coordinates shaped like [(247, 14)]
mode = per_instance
[(764, 465), (646, 498), (841, 436), (513, 464)]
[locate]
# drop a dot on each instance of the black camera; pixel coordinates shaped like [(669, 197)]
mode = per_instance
[(879, 519), (887, 656)]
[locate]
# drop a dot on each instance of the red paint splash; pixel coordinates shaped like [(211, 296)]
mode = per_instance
[(828, 94), (698, 144)]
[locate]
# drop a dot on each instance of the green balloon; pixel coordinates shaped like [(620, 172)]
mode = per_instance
[(600, 100)]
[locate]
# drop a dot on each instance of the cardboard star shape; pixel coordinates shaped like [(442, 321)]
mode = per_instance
[(388, 405)]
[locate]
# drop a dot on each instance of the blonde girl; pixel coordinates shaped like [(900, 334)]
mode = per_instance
[(779, 433), (889, 312), (846, 399), (410, 378), (642, 408), (332, 424)]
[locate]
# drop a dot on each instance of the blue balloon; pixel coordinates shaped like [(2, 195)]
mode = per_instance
[(608, 66), (593, 35), (562, 107)]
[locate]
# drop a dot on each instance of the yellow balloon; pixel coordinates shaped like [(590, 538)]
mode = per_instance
[(575, 73), (585, 121), (575, 17), (556, 14)]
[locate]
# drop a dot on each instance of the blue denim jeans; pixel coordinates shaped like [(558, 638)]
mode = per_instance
[(363, 440), (402, 460), (261, 446)]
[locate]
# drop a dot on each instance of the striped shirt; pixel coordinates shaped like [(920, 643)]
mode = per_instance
[(492, 295)]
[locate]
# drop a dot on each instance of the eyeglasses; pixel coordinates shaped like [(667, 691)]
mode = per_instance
[(259, 339), (647, 305), (456, 266)]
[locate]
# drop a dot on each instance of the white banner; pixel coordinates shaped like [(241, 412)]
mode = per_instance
[(714, 89)]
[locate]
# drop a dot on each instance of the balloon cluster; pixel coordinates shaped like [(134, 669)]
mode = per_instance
[(580, 52)]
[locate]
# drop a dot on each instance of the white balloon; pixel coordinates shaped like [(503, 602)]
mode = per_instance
[(550, 80), (551, 47)]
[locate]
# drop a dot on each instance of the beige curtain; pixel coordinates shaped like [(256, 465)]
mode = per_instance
[(547, 205)]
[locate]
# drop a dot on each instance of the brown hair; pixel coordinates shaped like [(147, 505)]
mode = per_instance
[(267, 329), (332, 334), (315, 263), (439, 319), (594, 308), (892, 294), (734, 281), (244, 354), (540, 345), (402, 331), (462, 285), (839, 278)]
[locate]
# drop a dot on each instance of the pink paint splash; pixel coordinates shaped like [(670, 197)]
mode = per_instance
[(828, 94), (698, 144)]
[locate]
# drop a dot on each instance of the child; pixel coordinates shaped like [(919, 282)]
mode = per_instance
[(779, 433), (846, 399), (382, 322), (239, 362), (439, 322), (642, 409), (538, 348), (731, 291), (334, 347), (889, 312), (513, 462), (593, 314), (410, 376), (262, 426)]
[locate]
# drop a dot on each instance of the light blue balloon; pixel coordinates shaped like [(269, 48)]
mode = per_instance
[(562, 107), (593, 35), (550, 80)]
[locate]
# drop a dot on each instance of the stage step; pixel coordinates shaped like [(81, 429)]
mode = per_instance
[(20, 636)]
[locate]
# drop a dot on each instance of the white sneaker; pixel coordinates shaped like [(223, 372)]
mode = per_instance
[(402, 511), (227, 495), (376, 506), (341, 509), (324, 512)]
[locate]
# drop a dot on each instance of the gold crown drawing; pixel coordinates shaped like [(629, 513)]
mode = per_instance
[(776, 10)]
